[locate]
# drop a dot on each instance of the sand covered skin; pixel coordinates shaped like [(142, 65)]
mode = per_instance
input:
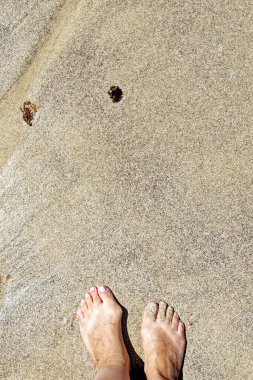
[(151, 195)]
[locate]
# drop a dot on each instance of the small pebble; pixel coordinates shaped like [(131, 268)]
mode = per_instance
[(29, 111), (5, 278), (65, 321), (115, 93)]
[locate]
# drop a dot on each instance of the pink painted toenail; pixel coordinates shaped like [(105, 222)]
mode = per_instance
[(102, 289), (92, 289)]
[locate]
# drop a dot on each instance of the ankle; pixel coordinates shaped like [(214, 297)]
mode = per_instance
[(112, 371), (120, 365), (154, 374)]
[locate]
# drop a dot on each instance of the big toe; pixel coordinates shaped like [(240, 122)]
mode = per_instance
[(106, 294), (150, 312)]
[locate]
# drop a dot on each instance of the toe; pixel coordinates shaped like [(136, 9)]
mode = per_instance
[(150, 312), (96, 298), (181, 328), (89, 300), (161, 316), (84, 307), (169, 313), (105, 294), (175, 320), (79, 315)]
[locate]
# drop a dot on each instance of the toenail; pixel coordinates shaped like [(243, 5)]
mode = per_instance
[(92, 289), (103, 289), (87, 295)]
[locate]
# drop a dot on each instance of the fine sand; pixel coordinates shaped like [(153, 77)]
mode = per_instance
[(151, 195)]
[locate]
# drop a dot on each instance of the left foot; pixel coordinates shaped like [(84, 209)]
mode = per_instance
[(99, 319)]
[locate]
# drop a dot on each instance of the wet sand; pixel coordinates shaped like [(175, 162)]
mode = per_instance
[(151, 195)]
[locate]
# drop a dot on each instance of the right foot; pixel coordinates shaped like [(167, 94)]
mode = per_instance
[(164, 342), (99, 319)]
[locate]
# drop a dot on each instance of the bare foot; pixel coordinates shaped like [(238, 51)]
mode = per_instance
[(99, 319), (164, 341)]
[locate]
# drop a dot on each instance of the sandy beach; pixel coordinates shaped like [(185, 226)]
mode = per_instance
[(151, 195)]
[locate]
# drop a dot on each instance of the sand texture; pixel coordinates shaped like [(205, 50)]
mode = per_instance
[(151, 195)]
